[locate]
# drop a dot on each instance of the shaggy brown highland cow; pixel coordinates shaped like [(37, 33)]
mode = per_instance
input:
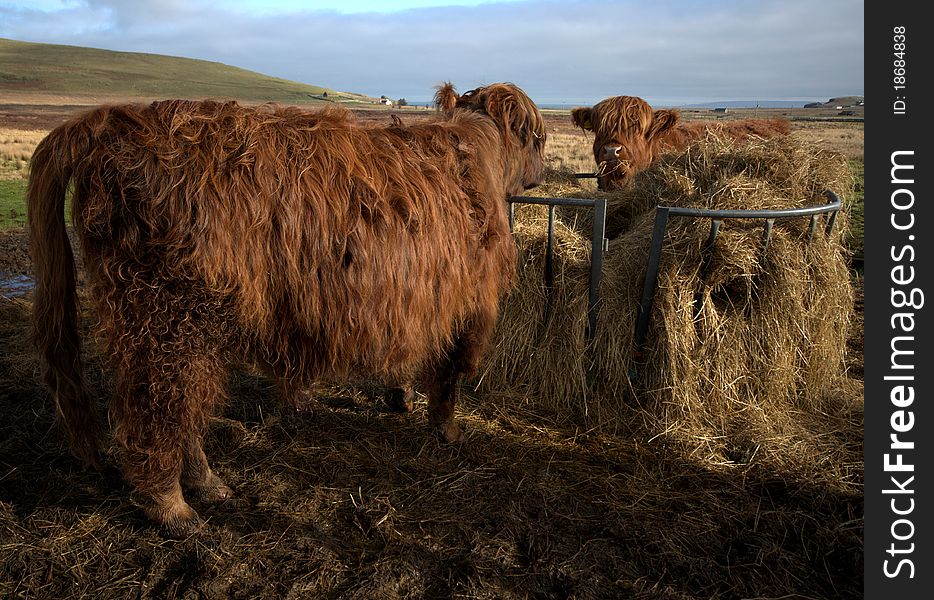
[(312, 245), (629, 135)]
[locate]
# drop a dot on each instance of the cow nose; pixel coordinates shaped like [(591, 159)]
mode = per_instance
[(610, 152)]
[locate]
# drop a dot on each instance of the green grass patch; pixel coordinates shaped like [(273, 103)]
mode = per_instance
[(855, 236), (12, 203)]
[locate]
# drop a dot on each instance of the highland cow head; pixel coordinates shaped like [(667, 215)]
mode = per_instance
[(627, 136), (519, 122)]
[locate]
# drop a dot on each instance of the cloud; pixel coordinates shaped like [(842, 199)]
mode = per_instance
[(573, 51)]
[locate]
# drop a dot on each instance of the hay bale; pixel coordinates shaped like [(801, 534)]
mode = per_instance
[(761, 338), (538, 350), (738, 353), (716, 171)]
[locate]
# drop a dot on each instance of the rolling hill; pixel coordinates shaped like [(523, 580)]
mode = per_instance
[(32, 73), (841, 101)]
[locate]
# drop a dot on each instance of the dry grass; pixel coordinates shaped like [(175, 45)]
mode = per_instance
[(845, 138), (570, 152), (16, 148)]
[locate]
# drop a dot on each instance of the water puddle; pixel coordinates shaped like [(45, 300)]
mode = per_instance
[(15, 286)]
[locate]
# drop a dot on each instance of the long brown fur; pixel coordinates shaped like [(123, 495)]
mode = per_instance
[(642, 134), (314, 246)]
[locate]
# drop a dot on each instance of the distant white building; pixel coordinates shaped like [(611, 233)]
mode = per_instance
[(385, 101)]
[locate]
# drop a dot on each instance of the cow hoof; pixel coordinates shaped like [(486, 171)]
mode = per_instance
[(450, 432), (180, 528), (399, 400), (214, 491), (303, 401), (181, 524)]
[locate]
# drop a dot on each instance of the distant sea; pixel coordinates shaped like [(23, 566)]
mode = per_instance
[(724, 104), (558, 106), (707, 105), (752, 104)]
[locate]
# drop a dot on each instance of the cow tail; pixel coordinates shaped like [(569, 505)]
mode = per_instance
[(55, 306)]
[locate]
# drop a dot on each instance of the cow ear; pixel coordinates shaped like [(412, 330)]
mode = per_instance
[(662, 122), (583, 118), (445, 96)]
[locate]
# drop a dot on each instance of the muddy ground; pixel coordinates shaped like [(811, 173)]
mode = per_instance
[(350, 500)]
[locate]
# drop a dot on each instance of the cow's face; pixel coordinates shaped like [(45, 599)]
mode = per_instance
[(522, 127), (627, 133)]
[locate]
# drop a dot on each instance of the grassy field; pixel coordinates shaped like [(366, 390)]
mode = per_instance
[(28, 71), (12, 203), (16, 148), (856, 233), (570, 151)]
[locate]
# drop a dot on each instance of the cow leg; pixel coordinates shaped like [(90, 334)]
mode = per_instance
[(462, 359), (441, 387), (300, 398), (400, 399), (198, 477), (161, 406)]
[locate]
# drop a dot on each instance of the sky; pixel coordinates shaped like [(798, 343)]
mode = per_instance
[(559, 51)]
